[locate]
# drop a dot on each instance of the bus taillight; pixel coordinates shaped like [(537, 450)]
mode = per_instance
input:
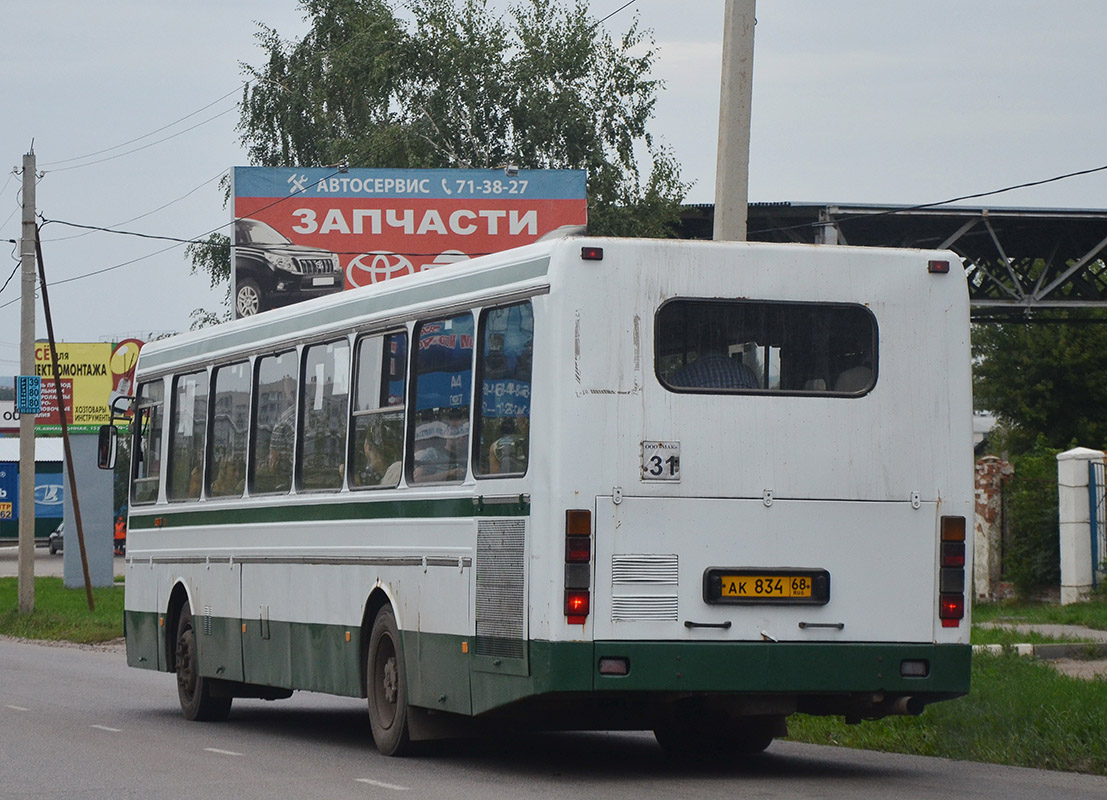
[(578, 565), (577, 602), (951, 572)]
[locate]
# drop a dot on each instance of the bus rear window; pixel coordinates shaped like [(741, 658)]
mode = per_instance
[(760, 346)]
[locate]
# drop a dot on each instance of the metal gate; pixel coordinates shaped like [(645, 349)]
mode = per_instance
[(1097, 491)]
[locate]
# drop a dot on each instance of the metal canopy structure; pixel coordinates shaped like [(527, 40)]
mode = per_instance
[(1017, 260)]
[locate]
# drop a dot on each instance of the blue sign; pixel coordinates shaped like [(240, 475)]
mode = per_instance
[(28, 394), (49, 497), (545, 184)]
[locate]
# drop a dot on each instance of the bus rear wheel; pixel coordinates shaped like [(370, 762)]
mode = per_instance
[(386, 686), (194, 690)]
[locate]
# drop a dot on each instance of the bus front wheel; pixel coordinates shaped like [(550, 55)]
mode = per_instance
[(193, 689), (386, 686)]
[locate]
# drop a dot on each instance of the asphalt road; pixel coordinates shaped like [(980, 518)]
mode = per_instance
[(79, 723), (46, 565)]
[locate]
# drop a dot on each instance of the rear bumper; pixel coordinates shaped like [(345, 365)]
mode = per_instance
[(854, 679), (784, 667)]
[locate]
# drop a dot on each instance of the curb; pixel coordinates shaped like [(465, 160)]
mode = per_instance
[(1084, 650)]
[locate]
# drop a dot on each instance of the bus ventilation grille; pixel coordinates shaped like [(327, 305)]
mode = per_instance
[(643, 603), (500, 606)]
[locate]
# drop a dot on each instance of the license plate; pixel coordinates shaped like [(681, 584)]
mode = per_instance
[(325, 281), (765, 586), (742, 585)]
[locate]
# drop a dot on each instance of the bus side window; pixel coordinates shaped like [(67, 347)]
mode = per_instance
[(505, 352), (230, 424), (377, 443), (323, 415), (146, 461), (442, 376), (274, 428), (186, 436)]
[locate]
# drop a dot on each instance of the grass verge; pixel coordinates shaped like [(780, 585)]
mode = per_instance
[(62, 613), (1092, 614), (1020, 712)]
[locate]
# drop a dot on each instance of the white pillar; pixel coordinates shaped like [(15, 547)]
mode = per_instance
[(1075, 523)]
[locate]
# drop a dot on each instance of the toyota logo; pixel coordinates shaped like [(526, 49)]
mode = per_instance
[(371, 268)]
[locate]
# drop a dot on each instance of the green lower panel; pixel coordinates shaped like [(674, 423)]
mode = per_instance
[(555, 667), (438, 667), (143, 640), (784, 667), (440, 670), (298, 655)]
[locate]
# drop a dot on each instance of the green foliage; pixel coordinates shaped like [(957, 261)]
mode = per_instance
[(452, 84), (1047, 379), (1032, 557), (62, 614), (213, 257), (458, 86), (1019, 712)]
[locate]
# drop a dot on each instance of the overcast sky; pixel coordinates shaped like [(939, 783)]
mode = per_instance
[(855, 101)]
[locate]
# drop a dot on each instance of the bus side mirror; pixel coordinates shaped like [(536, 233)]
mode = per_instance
[(106, 447)]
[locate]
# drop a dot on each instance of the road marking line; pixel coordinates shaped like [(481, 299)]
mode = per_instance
[(17, 708), (106, 728), (222, 752), (383, 785)]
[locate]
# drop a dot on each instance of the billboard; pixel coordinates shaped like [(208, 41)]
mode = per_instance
[(92, 375), (301, 233)]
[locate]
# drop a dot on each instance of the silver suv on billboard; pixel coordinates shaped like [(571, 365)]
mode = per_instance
[(271, 271)]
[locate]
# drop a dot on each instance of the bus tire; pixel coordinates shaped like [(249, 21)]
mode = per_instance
[(386, 686), (194, 690)]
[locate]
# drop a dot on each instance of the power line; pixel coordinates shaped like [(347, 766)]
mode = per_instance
[(147, 146), (146, 214), (922, 206), (613, 13), (147, 135)]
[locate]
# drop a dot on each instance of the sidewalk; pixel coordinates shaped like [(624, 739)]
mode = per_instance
[(1078, 652)]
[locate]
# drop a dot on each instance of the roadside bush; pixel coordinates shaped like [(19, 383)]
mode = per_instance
[(1032, 558)]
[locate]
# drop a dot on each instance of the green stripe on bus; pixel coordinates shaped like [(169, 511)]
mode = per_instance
[(193, 514), (440, 670)]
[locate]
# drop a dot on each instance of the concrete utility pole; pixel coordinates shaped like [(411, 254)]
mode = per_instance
[(733, 165), (27, 367)]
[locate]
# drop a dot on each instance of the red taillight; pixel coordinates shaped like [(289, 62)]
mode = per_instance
[(938, 267), (591, 253), (577, 602), (578, 549), (578, 565), (951, 570), (953, 554), (951, 607)]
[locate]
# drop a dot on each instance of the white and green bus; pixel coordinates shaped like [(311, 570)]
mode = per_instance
[(687, 487)]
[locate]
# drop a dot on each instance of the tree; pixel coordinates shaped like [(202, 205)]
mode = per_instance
[(1046, 379), (454, 84), (459, 86)]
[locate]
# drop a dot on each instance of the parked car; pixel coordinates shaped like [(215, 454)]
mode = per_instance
[(271, 271), (57, 539)]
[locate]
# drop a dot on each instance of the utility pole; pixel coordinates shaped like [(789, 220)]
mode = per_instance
[(732, 167), (27, 367)]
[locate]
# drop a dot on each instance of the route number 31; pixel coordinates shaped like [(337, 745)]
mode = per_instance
[(661, 461)]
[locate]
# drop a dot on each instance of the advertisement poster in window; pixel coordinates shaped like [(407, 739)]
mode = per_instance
[(303, 233)]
